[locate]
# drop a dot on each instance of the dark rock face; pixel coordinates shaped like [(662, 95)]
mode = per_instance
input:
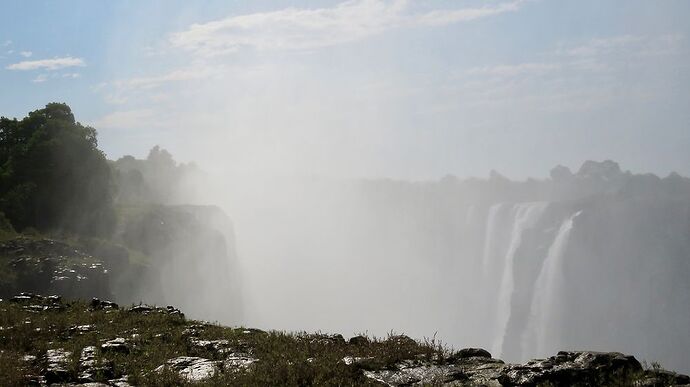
[(118, 344), (471, 352), (51, 267), (98, 304), (189, 247), (573, 368), (581, 368), (37, 303)]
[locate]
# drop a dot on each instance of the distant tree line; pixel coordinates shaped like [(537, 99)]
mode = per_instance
[(156, 179)]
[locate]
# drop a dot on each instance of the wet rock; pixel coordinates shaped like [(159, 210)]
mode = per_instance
[(350, 360), (116, 345), (482, 371), (41, 308), (29, 358), (171, 310), (570, 368), (26, 297), (88, 357), (210, 345), (469, 352), (238, 361), (407, 374), (252, 331), (56, 370), (38, 303), (89, 369), (81, 329), (98, 304), (35, 308), (120, 382), (194, 369), (143, 309), (147, 309), (193, 330), (36, 380)]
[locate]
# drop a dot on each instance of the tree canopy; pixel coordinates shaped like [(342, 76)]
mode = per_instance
[(52, 174)]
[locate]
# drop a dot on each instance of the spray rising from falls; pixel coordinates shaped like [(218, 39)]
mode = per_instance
[(526, 216), (469, 215), (542, 326)]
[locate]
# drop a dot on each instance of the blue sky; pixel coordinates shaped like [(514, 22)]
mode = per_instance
[(367, 88)]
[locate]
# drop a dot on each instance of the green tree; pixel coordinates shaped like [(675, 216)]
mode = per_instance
[(53, 176)]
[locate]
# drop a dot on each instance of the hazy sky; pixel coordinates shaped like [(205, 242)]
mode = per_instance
[(363, 88)]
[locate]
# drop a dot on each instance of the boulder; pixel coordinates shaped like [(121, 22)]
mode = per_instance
[(57, 369), (469, 352), (407, 374), (573, 368), (98, 304), (194, 369), (116, 345)]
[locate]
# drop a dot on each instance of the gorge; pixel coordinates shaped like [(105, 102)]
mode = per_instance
[(595, 259)]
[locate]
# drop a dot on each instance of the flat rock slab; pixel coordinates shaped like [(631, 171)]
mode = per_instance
[(194, 369)]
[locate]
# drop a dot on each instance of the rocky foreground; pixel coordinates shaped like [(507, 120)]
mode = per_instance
[(47, 341)]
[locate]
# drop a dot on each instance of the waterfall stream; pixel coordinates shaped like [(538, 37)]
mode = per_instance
[(525, 216), (542, 325)]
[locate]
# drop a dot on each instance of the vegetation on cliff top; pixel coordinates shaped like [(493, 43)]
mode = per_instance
[(31, 327), (44, 340)]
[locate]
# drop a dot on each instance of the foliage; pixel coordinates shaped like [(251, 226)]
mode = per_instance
[(52, 174)]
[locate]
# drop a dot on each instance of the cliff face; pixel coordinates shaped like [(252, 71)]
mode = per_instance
[(182, 255), (191, 260), (593, 259)]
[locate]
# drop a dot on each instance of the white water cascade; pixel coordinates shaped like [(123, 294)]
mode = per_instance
[(542, 325), (489, 236), (526, 216)]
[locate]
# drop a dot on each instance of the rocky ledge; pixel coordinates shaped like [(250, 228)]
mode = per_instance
[(49, 266), (47, 341)]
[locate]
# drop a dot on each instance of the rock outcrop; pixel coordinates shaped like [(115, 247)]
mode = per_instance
[(48, 266), (49, 341)]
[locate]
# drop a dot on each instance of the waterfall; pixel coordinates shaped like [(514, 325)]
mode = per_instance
[(526, 216), (489, 236), (542, 323)]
